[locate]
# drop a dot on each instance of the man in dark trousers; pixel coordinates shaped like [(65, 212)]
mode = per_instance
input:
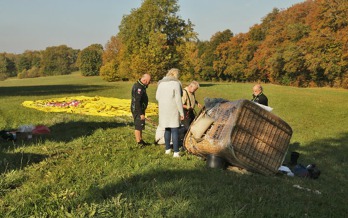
[(258, 95), (139, 104)]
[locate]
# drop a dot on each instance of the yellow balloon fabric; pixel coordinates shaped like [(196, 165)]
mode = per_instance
[(98, 106)]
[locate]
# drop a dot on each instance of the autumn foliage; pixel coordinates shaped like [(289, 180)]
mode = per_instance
[(305, 45)]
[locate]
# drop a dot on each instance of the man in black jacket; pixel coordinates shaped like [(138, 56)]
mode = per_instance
[(139, 104), (258, 95)]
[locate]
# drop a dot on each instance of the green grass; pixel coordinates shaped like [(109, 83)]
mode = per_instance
[(89, 166)]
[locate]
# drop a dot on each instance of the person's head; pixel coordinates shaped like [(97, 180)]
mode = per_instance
[(145, 79), (257, 89), (173, 73), (193, 86)]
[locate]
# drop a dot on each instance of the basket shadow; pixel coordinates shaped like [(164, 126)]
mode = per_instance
[(328, 154), (209, 190), (17, 161)]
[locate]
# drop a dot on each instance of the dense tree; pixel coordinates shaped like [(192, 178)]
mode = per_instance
[(189, 62), (58, 60), (24, 63), (208, 56), (304, 45), (28, 64), (150, 37), (112, 60), (7, 66), (90, 60)]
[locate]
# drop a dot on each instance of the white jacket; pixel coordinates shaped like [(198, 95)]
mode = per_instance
[(168, 95)]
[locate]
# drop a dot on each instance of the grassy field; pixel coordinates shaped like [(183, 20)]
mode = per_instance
[(90, 166)]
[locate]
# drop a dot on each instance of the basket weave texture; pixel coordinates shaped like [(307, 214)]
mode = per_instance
[(245, 134)]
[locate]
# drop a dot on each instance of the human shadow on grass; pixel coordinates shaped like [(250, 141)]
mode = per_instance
[(330, 157), (19, 160), (69, 131), (48, 90), (63, 132)]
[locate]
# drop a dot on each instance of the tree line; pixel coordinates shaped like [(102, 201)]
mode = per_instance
[(305, 45)]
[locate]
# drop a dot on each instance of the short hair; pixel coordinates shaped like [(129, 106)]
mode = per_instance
[(195, 83), (174, 72), (259, 87), (146, 76)]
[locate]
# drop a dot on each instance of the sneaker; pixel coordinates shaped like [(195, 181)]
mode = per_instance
[(168, 151), (176, 154)]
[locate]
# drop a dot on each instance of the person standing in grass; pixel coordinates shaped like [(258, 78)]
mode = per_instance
[(259, 96), (139, 104), (189, 102), (170, 108)]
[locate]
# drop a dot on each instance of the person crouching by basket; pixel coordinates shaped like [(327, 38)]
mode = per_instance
[(170, 109), (259, 96), (189, 102), (139, 104)]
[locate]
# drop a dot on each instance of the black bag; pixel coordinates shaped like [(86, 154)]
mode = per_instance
[(182, 133), (7, 135)]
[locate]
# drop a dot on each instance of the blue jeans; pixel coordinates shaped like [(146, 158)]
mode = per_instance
[(172, 133)]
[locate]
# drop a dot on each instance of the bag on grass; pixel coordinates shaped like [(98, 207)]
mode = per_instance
[(7, 135)]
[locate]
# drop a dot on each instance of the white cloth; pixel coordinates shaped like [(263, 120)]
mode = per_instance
[(267, 108), (159, 136), (170, 109), (286, 170)]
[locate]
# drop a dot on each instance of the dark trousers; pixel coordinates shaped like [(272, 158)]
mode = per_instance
[(189, 117)]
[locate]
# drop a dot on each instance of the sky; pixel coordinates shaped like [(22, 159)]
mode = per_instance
[(37, 24)]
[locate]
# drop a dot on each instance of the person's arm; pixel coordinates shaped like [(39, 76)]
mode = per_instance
[(198, 104), (138, 93)]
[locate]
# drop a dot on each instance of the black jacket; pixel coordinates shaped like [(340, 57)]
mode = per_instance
[(140, 99), (261, 99)]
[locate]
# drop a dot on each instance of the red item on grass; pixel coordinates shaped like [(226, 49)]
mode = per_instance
[(41, 129)]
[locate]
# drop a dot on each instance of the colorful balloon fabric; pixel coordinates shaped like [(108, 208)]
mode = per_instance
[(99, 106)]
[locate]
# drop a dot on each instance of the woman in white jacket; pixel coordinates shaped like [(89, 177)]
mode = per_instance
[(168, 95)]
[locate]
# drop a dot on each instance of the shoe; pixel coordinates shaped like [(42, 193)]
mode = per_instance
[(143, 144), (168, 151), (176, 154)]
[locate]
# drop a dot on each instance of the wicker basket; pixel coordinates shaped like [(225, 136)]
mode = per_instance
[(245, 134)]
